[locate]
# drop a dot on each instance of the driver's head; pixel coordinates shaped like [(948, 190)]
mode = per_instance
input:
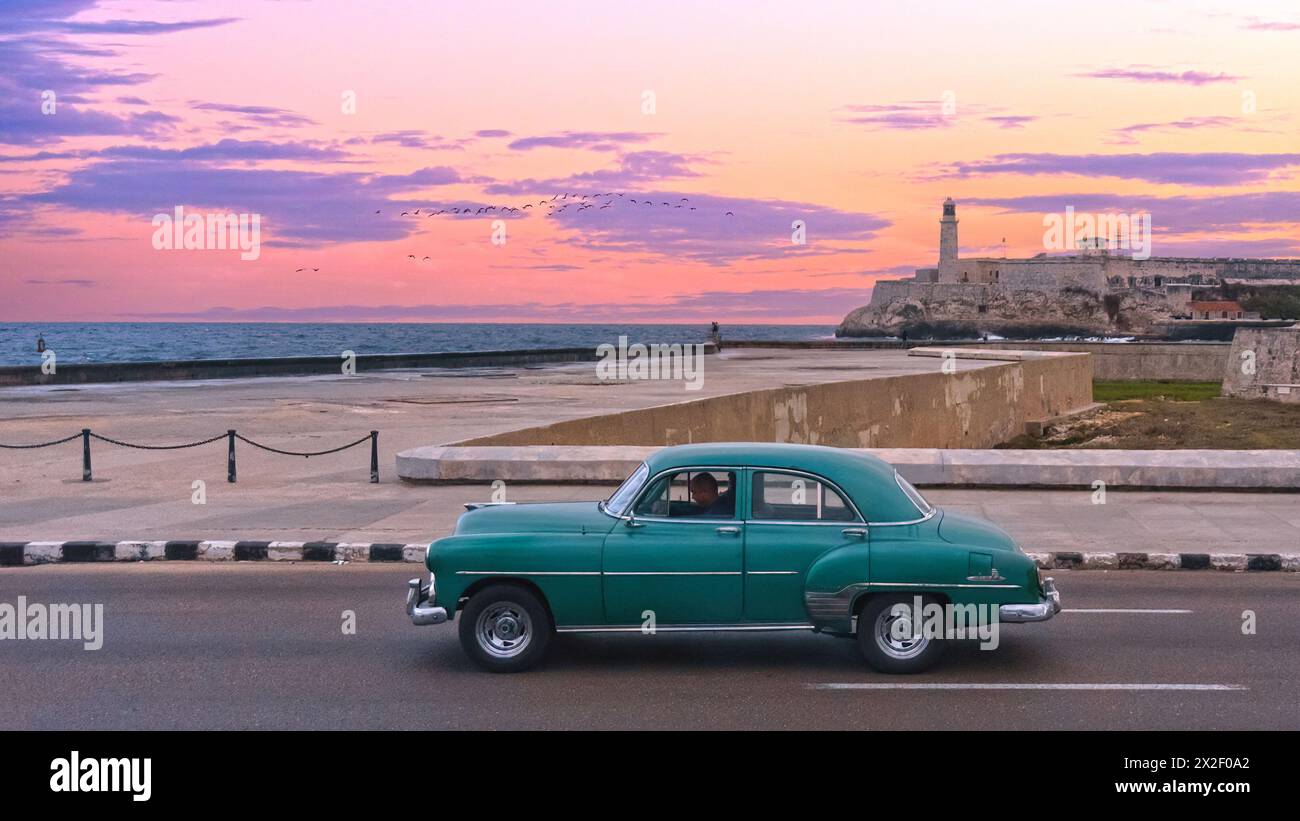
[(704, 489)]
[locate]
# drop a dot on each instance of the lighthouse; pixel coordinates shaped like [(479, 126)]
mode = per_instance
[(948, 242)]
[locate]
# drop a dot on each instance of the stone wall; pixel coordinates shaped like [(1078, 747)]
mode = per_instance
[(1264, 363), (968, 409), (1185, 361)]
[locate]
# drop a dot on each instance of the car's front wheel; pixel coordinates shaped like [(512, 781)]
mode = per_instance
[(890, 638), (505, 628)]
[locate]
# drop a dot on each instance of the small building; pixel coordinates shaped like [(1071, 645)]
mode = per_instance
[(1222, 309)]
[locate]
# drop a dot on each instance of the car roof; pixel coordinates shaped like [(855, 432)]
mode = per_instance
[(868, 480)]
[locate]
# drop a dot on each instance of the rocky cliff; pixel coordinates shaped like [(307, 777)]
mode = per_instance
[(952, 309)]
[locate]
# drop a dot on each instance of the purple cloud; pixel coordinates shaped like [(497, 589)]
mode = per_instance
[(908, 116), (1128, 134), (230, 150), (119, 26), (1177, 215), (77, 283), (1149, 74), (1211, 168), (259, 114), (713, 229), (1256, 24), (492, 133), (414, 138), (634, 169), (1011, 120), (297, 207), (586, 140)]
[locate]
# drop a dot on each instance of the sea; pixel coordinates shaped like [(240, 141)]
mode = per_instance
[(86, 342)]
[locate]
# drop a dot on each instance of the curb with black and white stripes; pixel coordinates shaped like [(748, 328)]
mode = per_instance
[(29, 553), (14, 554), (1238, 562)]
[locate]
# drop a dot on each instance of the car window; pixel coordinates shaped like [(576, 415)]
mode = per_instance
[(788, 497), (622, 497), (708, 494)]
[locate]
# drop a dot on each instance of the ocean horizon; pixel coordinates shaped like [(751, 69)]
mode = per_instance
[(130, 342)]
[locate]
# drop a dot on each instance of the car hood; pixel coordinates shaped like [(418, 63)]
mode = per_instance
[(964, 529), (542, 517)]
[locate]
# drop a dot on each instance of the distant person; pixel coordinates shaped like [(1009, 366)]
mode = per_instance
[(715, 334), (708, 502), (40, 343), (904, 335)]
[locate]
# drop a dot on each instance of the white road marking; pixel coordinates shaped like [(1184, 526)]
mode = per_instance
[(1120, 610), (879, 685)]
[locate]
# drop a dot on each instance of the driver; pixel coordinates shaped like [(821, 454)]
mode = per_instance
[(704, 493)]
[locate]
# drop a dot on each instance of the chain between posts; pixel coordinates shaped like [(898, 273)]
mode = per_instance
[(230, 436)]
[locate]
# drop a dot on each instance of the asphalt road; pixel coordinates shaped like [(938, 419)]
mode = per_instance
[(256, 646)]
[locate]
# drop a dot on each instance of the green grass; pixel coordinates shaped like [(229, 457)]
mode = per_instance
[(1177, 391)]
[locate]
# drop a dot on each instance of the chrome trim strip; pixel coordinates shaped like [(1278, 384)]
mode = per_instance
[(823, 523), (926, 584), (674, 573), (927, 517), (773, 572), (527, 573), (688, 520), (687, 628)]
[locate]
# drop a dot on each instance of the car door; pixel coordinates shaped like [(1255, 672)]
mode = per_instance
[(794, 518), (674, 560)]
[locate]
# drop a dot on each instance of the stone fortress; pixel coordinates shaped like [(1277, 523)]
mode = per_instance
[(1094, 291)]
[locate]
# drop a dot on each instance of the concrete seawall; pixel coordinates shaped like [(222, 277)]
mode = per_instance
[(72, 374), (975, 408)]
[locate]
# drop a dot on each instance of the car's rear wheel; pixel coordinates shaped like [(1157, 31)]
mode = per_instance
[(505, 628), (891, 641)]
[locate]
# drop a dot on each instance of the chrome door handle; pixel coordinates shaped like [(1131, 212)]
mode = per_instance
[(729, 531), (859, 532)]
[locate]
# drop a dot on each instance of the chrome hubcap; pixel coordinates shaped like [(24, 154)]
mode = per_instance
[(503, 629), (887, 640)]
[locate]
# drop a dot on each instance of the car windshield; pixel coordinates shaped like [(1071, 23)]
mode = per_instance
[(622, 497), (914, 494)]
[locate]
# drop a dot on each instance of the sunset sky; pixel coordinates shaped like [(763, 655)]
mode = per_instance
[(829, 113)]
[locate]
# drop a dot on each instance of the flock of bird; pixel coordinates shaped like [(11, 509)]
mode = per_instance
[(557, 205), (554, 206)]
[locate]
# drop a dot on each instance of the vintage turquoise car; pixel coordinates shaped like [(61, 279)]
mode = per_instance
[(736, 536)]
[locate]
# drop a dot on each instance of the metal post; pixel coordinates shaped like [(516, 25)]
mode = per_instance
[(85, 454), (230, 456), (374, 457)]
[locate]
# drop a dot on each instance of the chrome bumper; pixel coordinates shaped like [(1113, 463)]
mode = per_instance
[(417, 597), (1044, 610)]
